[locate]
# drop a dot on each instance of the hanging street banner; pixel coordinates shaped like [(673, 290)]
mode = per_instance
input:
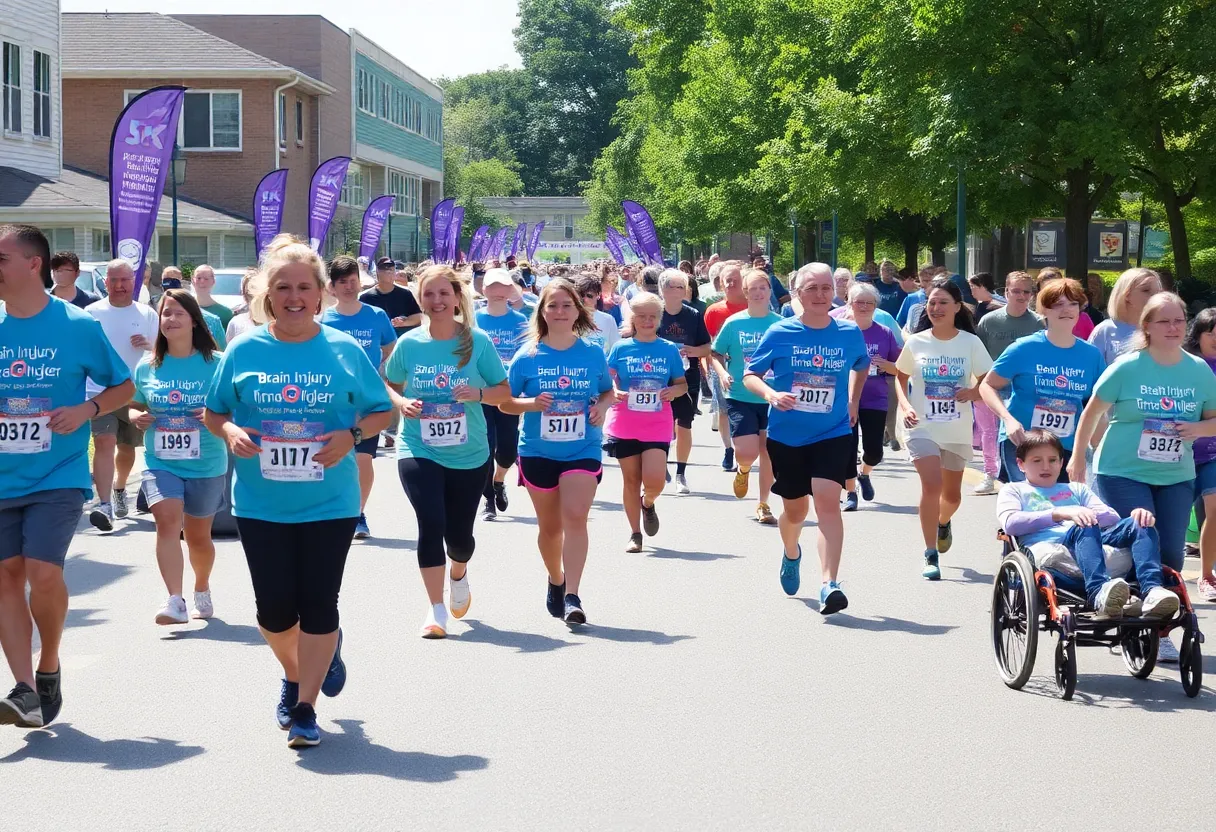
[(1154, 243), (323, 195), (441, 218), (374, 219), (825, 241), (520, 231), (480, 237), (452, 252), (1046, 246), (268, 208), (614, 240), (638, 219), (141, 159), (497, 245), (535, 239)]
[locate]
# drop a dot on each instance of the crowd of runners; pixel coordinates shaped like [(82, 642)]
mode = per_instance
[(274, 412)]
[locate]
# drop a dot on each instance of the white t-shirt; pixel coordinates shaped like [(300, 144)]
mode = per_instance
[(119, 324), (937, 370), (607, 332)]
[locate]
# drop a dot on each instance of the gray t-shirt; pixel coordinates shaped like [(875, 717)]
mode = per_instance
[(1113, 337), (998, 329)]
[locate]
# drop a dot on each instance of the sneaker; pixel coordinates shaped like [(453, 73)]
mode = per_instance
[(102, 517), (1133, 608), (436, 624), (120, 502), (1206, 587), (650, 520), (362, 532), (790, 577), (667, 474), (173, 612), (713, 424), (203, 608), (389, 440), (987, 486), (895, 444), (574, 610), (945, 537), (682, 485), (831, 598), (866, 486), (1160, 603), (304, 732), (931, 571), (335, 677), (1167, 653), (22, 707), (289, 695), (635, 543), (739, 486), (764, 515), (500, 496), (488, 512), (728, 460), (1111, 599), (554, 599), (48, 695), (850, 501), (459, 597)]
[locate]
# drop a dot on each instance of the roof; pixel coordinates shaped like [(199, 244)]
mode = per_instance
[(148, 45), (573, 203), (81, 192)]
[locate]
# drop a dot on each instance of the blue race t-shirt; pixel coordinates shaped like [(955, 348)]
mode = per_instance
[(641, 370), (448, 432), (1049, 385), (173, 393), (370, 326), (813, 364), (890, 296), (293, 393), (44, 360), (576, 377), (216, 327), (506, 331), (905, 307)]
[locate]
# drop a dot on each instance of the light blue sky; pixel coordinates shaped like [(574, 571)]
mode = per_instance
[(419, 32)]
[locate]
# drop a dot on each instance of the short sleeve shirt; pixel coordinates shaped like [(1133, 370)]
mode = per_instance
[(937, 370)]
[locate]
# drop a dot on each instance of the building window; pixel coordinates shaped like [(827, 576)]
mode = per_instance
[(60, 239), (367, 100), (434, 125), (299, 121), (385, 91), (190, 249), (352, 187), (42, 94), (405, 189), (210, 120), (12, 87), (565, 222), (239, 251), (101, 243)]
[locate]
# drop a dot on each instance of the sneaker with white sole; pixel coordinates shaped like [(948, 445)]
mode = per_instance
[(682, 485), (459, 596), (987, 486), (1160, 603), (1133, 607), (1206, 588), (1111, 599), (102, 517), (1167, 653), (203, 607), (436, 624), (173, 612), (120, 503)]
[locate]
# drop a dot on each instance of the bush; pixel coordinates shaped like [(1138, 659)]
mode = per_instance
[(1203, 265)]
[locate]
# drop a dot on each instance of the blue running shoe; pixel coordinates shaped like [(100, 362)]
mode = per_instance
[(574, 610), (304, 732), (867, 487), (850, 501), (728, 460), (362, 532), (288, 697), (555, 601), (932, 571), (831, 598), (335, 677), (790, 577)]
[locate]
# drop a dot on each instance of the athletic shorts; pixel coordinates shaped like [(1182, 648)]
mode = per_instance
[(794, 466), (200, 496), (544, 474), (954, 457), (369, 445), (116, 424), (684, 409), (625, 448), (746, 418), (40, 526)]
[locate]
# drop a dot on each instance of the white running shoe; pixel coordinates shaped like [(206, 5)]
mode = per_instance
[(682, 485), (1167, 653), (1111, 599), (459, 596), (1160, 603), (173, 612), (436, 624), (987, 486), (203, 607)]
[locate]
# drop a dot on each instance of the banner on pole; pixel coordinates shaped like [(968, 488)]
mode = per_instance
[(374, 219), (498, 244), (268, 208), (539, 227), (520, 231), (441, 218), (323, 195), (480, 237), (452, 252), (613, 239), (644, 232)]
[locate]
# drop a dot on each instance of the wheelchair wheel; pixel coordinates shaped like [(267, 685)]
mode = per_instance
[(1015, 620), (1140, 651), (1066, 668), (1191, 666)]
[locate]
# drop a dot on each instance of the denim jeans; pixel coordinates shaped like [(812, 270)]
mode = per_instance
[(1086, 546), (1170, 504)]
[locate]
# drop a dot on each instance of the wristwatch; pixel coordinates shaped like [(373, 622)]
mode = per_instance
[(358, 434)]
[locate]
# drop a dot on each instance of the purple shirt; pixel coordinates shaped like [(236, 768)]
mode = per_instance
[(880, 342), (1205, 448)]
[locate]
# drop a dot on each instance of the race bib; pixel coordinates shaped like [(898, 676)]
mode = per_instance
[(564, 421), (644, 395), (176, 437), (940, 404), (444, 424), (25, 425), (1056, 416), (815, 394), (288, 451), (1160, 442)]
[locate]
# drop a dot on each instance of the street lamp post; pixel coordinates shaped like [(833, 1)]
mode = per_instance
[(794, 225), (179, 178)]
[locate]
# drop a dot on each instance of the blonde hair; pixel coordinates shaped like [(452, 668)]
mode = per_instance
[(1151, 307), (284, 250), (464, 307), (755, 274), (1123, 287), (642, 300)]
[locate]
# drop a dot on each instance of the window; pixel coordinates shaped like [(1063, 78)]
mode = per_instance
[(406, 190), (101, 243), (190, 249), (366, 94), (239, 251), (385, 91), (434, 125), (352, 188), (211, 120), (299, 121), (282, 119), (12, 87), (61, 239), (42, 95)]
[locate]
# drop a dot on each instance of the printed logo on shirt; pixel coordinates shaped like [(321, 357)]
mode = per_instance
[(569, 381), (299, 388), (1167, 400), (819, 358), (938, 368), (29, 363), (436, 378), (161, 393)]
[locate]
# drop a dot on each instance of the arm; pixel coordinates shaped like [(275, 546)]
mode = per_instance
[(236, 437), (1197, 430), (718, 364), (409, 408), (696, 352), (1014, 520), (677, 387), (1091, 417), (857, 384), (412, 320), (901, 393), (1106, 516)]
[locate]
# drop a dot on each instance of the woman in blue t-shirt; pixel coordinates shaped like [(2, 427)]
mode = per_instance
[(561, 387)]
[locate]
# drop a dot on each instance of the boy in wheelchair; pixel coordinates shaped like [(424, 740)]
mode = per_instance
[(1040, 512)]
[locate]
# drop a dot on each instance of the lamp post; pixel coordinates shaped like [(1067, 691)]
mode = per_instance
[(794, 225), (179, 178)]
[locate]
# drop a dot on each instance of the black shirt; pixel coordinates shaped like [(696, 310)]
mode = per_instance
[(82, 298), (396, 303), (685, 328)]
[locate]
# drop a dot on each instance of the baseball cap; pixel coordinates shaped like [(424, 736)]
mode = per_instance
[(385, 263), (499, 277)]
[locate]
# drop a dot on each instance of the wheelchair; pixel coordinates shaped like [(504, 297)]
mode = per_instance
[(1027, 600)]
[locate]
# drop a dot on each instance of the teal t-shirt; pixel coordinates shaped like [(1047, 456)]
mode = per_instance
[(44, 360), (737, 340), (173, 393), (506, 331), (1148, 400), (293, 393), (216, 327), (575, 377), (370, 326), (448, 432)]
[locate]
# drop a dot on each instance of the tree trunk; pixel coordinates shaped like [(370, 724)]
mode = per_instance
[(937, 241), (1178, 239), (1079, 205), (869, 241), (909, 236), (1004, 253)]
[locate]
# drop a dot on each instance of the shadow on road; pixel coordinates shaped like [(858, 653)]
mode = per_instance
[(624, 635), (967, 575), (522, 642), (351, 752), (887, 508), (699, 557), (1160, 693), (61, 743), (84, 576), (882, 624), (217, 629), (382, 543)]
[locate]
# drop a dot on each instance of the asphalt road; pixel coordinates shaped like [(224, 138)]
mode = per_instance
[(700, 697)]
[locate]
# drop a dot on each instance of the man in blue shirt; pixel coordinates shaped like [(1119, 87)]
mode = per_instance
[(925, 278)]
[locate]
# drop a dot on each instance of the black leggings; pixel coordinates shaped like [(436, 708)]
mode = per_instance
[(871, 424), (502, 432), (445, 503), (297, 571)]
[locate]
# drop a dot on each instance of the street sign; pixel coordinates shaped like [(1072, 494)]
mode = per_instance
[(1154, 243)]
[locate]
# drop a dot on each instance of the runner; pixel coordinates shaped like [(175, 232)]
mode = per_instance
[(1201, 341), (1115, 335), (561, 386), (506, 329), (186, 465), (65, 268), (44, 463), (399, 303), (607, 332), (944, 363), (292, 399), (648, 374), (683, 326), (889, 290), (734, 301), (747, 411), (819, 368), (243, 321), (434, 374), (842, 279), (370, 326)]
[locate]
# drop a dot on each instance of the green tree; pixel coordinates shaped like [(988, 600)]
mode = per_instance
[(469, 182)]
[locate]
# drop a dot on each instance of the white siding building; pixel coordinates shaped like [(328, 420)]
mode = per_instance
[(30, 138)]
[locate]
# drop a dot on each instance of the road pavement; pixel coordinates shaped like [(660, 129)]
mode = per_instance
[(700, 696)]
